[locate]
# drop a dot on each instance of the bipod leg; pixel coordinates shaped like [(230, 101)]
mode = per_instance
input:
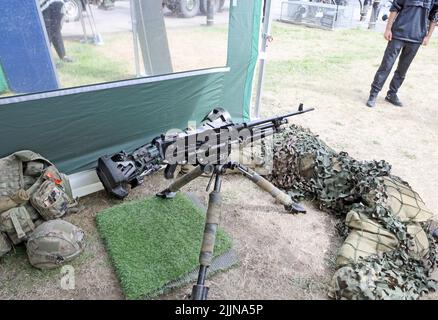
[(265, 185), (171, 191), (200, 291)]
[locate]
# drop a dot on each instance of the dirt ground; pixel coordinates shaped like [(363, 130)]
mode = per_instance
[(285, 256)]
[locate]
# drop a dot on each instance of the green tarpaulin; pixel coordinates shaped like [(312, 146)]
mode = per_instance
[(243, 47), (73, 127), (73, 130)]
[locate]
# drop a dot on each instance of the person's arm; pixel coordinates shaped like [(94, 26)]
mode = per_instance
[(429, 33), (388, 30), (433, 18)]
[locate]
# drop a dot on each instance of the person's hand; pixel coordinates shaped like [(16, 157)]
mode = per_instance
[(388, 35), (426, 41)]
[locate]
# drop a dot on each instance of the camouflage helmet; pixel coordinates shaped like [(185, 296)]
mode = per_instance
[(54, 243)]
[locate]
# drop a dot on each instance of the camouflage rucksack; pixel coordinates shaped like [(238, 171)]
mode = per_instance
[(13, 179), (30, 188), (53, 243)]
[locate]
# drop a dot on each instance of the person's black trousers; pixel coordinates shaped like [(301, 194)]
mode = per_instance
[(408, 51), (53, 19)]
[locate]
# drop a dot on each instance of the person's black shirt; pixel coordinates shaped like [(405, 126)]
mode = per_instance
[(413, 18)]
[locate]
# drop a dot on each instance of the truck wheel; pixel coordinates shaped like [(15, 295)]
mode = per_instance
[(72, 9), (189, 8), (217, 5)]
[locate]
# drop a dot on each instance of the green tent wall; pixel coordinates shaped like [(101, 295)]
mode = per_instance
[(73, 127), (243, 48)]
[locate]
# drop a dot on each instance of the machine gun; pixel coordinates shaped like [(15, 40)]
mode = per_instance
[(119, 170), (208, 148)]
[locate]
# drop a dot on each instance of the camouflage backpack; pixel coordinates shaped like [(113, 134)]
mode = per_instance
[(53, 243), (16, 186), (53, 198), (30, 188)]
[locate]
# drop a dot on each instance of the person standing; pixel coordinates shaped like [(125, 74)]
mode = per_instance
[(53, 12), (410, 24)]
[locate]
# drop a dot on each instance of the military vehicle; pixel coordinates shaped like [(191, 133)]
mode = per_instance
[(191, 8)]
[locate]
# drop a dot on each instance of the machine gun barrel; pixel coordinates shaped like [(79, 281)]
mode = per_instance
[(256, 123), (119, 170)]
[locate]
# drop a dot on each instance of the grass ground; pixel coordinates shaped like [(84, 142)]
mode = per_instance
[(284, 256), (90, 66), (166, 231)]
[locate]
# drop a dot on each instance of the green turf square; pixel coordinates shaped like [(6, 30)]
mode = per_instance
[(153, 242)]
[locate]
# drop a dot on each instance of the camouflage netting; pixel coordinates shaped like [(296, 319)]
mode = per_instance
[(388, 252)]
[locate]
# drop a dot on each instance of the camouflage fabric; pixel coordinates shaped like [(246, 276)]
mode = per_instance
[(388, 252), (13, 181), (5, 246), (53, 243), (53, 199), (366, 238), (17, 224), (32, 189)]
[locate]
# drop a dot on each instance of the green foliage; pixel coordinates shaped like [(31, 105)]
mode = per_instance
[(154, 241)]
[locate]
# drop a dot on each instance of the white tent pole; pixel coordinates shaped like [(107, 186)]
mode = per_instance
[(135, 38), (266, 36)]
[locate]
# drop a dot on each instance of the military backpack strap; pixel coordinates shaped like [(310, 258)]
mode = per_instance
[(5, 245)]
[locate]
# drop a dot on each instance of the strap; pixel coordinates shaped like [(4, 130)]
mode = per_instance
[(17, 226)]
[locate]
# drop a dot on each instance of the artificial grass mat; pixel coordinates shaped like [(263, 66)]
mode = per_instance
[(154, 242)]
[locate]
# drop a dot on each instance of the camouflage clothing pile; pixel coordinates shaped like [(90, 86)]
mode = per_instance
[(388, 252), (33, 196)]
